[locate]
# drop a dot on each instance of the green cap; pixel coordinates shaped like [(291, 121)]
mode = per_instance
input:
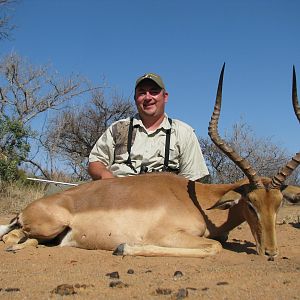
[(156, 78)]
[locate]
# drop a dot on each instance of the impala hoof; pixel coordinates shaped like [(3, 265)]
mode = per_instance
[(10, 249), (119, 250)]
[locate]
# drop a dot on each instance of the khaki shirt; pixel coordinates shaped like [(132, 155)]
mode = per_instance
[(148, 149)]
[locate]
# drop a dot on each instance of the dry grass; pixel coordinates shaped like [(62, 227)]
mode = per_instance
[(15, 196)]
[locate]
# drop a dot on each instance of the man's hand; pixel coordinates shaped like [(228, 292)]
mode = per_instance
[(98, 170)]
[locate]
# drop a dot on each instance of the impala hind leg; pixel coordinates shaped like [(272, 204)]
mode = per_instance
[(44, 222), (17, 239), (181, 244), (14, 237)]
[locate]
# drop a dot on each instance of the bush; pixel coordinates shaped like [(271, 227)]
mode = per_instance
[(14, 147)]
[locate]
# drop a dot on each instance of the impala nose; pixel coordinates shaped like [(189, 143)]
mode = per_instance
[(271, 253)]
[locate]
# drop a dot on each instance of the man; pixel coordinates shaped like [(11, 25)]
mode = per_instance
[(149, 141)]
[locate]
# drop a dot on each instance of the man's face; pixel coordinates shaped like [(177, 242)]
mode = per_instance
[(150, 99)]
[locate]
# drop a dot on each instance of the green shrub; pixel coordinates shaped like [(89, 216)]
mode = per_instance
[(14, 147)]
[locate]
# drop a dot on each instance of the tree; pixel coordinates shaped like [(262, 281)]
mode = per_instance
[(74, 132), (5, 20), (27, 92), (263, 155), (14, 147)]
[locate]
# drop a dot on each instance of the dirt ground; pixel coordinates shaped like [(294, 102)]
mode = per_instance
[(236, 273)]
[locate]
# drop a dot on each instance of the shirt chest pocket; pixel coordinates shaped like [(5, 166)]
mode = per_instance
[(120, 133), (174, 153)]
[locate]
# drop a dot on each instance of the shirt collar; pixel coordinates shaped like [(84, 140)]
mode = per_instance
[(165, 124)]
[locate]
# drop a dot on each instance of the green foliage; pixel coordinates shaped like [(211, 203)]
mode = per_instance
[(14, 147)]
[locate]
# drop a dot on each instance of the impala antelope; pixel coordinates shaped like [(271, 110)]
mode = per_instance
[(160, 214)]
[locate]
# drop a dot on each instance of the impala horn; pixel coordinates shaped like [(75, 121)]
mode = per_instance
[(242, 163), (294, 95), (287, 170)]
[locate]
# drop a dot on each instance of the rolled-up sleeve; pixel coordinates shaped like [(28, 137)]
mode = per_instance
[(103, 150), (192, 163)]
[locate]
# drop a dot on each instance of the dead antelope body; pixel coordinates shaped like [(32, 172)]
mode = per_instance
[(160, 214)]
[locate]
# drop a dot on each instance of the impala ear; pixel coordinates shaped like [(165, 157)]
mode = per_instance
[(228, 200), (291, 193)]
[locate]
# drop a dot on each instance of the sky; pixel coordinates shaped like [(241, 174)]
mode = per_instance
[(186, 42)]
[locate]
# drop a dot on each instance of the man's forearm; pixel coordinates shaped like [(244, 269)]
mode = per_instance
[(98, 170)]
